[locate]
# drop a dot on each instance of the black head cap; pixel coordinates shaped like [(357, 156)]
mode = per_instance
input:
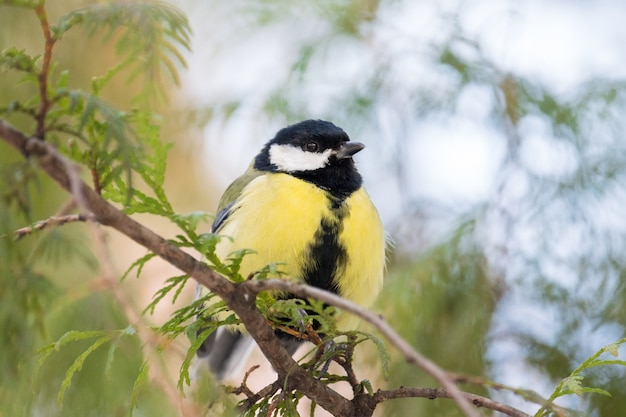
[(326, 133)]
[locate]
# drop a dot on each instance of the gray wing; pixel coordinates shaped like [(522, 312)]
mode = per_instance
[(221, 217)]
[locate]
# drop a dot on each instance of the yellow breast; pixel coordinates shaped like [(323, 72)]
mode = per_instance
[(278, 215)]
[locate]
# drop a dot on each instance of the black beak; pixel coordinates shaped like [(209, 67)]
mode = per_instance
[(348, 149)]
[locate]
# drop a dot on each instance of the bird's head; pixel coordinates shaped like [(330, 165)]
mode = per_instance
[(317, 152), (308, 146)]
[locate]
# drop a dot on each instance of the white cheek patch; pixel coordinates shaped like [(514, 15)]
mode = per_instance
[(290, 158)]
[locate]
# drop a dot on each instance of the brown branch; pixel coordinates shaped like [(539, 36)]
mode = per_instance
[(243, 387), (95, 176), (310, 335), (13, 137), (50, 222), (346, 364), (264, 392), (409, 353), (432, 393), (45, 71), (239, 300)]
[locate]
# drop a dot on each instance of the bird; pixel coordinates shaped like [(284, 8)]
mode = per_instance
[(301, 203)]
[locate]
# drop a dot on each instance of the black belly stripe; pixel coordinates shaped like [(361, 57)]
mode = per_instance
[(328, 257)]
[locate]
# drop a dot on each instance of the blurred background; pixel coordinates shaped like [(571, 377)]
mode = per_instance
[(495, 154)]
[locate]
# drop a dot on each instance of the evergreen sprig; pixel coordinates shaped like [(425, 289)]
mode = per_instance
[(118, 148), (150, 44), (98, 338), (573, 383)]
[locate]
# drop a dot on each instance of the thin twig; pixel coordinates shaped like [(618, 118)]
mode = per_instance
[(432, 393), (528, 395), (45, 71), (243, 387), (263, 393), (51, 222)]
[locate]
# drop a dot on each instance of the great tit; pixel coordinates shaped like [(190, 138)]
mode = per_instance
[(301, 203)]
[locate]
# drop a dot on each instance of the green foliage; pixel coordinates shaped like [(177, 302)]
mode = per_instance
[(284, 404), (118, 148), (573, 383), (184, 321), (25, 300), (173, 282), (18, 180), (383, 355), (14, 59), (102, 369), (150, 165), (140, 383), (100, 338), (150, 43), (104, 139), (104, 136), (56, 247), (139, 264)]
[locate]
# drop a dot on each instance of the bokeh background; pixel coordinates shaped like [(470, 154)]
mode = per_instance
[(495, 154)]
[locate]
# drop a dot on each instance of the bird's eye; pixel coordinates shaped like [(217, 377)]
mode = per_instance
[(311, 147)]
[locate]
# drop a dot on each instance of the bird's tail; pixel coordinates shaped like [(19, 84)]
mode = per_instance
[(225, 351)]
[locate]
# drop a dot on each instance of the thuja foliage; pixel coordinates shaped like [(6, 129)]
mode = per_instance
[(122, 153)]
